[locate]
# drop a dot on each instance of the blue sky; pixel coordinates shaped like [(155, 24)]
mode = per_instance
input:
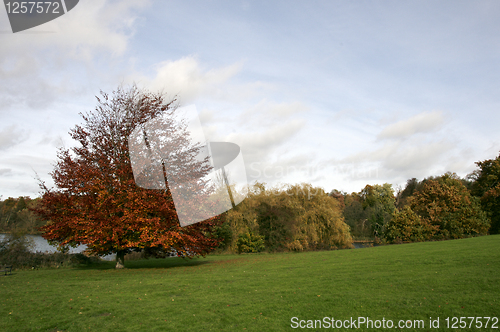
[(339, 94)]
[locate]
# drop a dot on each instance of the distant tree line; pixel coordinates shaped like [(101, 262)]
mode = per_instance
[(435, 208), (302, 217), (16, 215)]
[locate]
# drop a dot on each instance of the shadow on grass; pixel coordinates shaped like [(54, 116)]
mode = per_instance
[(151, 263)]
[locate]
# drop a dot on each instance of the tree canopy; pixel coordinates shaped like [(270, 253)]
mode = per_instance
[(368, 211), (16, 215), (486, 186), (96, 201), (292, 217), (442, 208)]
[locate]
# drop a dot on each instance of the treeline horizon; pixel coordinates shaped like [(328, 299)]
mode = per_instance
[(16, 215), (434, 208), (302, 217)]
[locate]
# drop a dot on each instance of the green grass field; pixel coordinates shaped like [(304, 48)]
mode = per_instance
[(262, 292)]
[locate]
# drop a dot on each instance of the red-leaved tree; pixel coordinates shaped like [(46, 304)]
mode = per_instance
[(96, 201)]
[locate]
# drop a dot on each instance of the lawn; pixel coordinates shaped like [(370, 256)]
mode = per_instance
[(263, 292)]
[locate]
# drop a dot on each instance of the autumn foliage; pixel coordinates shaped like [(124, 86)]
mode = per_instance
[(288, 218), (96, 201), (442, 208), (16, 215)]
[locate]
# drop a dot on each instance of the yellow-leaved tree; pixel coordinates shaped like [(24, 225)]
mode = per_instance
[(288, 217)]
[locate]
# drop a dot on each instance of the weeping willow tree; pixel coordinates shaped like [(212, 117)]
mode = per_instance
[(290, 218)]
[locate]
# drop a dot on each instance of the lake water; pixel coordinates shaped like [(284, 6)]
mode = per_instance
[(42, 245)]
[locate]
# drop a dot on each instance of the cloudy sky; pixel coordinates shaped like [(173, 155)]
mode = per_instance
[(339, 94)]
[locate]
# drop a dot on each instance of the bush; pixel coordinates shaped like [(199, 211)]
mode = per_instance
[(250, 242), (224, 234)]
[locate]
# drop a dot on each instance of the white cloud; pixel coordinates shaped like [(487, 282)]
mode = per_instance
[(260, 143), (21, 180), (268, 113), (51, 61), (295, 169), (414, 147), (397, 161), (400, 156), (414, 157), (92, 26), (11, 136), (421, 123), (206, 116), (187, 79)]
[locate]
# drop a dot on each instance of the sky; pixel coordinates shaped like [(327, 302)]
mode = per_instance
[(338, 94)]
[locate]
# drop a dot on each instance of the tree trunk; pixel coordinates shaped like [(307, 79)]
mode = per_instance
[(120, 259)]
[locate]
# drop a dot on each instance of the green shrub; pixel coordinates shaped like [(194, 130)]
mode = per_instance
[(250, 242), (224, 234)]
